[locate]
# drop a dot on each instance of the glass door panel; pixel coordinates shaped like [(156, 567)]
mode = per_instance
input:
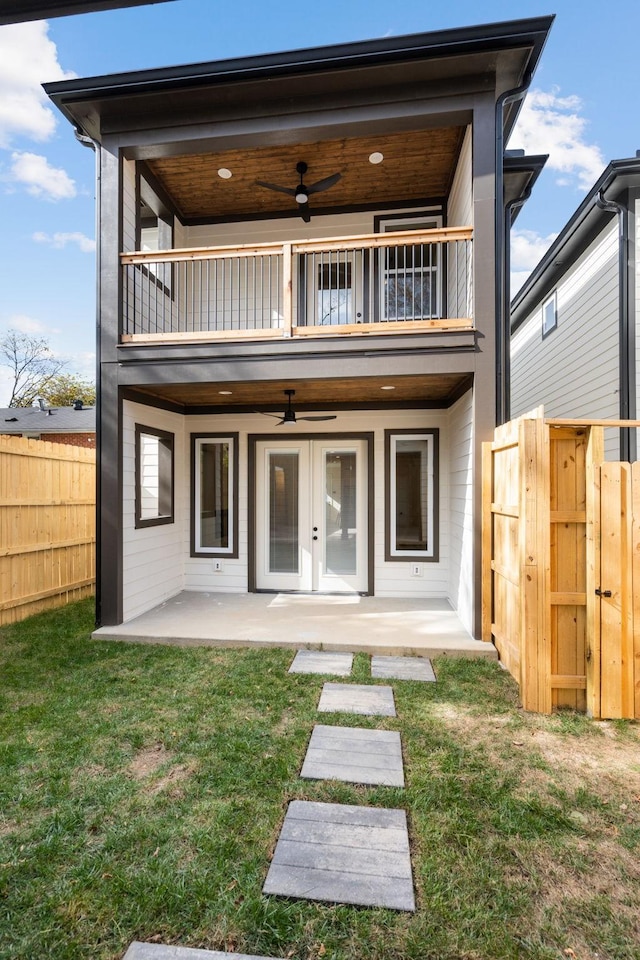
[(284, 545), (341, 536)]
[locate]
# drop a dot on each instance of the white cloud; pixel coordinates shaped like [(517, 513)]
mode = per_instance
[(28, 58), (40, 178), (549, 123), (30, 326), (60, 240), (527, 249)]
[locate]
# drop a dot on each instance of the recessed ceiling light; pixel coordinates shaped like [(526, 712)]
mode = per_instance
[(224, 174), (376, 157), (225, 393), (387, 388)]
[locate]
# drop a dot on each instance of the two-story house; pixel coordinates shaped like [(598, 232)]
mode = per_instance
[(301, 272), (576, 320)]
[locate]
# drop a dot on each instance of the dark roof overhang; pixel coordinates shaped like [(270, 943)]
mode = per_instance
[(520, 175), (582, 228), (508, 50), (18, 11)]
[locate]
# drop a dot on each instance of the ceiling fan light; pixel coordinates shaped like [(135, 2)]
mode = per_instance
[(302, 197)]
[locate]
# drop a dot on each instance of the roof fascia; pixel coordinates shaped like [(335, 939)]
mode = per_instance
[(527, 33), (19, 11), (574, 237)]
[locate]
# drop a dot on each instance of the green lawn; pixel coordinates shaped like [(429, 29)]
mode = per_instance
[(142, 790)]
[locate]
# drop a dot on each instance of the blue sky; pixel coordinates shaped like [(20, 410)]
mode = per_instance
[(584, 110)]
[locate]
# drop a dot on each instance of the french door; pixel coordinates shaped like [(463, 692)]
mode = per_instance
[(311, 515)]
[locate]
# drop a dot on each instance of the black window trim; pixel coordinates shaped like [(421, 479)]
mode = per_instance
[(390, 557), (234, 526), (168, 445)]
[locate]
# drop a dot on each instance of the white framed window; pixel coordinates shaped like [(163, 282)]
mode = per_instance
[(154, 476), (410, 275), (214, 495), (550, 314), (411, 470)]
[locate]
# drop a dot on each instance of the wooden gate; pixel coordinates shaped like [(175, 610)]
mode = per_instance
[(558, 524), (613, 590)]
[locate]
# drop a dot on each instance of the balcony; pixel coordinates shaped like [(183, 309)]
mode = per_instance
[(404, 282)]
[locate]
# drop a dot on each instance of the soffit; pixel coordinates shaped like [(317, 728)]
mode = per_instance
[(325, 394), (417, 164)]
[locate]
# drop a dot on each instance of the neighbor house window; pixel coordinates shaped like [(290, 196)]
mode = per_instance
[(550, 314), (154, 476), (411, 470), (214, 495)]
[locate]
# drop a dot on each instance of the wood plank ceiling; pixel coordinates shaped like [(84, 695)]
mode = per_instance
[(417, 165), (325, 394)]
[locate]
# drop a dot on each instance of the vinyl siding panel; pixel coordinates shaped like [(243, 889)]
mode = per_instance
[(153, 557), (460, 205), (574, 371), (461, 585)]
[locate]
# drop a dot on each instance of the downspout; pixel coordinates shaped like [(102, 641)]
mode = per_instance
[(502, 319), (506, 293), (92, 144), (627, 376)]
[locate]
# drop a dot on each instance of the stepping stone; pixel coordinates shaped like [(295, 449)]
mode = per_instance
[(343, 854), (354, 698), (402, 668), (320, 661), (354, 755), (159, 951)]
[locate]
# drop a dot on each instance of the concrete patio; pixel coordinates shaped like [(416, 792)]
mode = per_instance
[(340, 623)]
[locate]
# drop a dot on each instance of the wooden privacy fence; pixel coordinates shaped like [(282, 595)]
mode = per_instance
[(561, 565), (47, 525)]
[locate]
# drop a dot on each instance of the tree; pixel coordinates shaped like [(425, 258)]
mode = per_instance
[(32, 366), (65, 388)]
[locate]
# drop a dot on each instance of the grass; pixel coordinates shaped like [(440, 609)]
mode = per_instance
[(142, 789)]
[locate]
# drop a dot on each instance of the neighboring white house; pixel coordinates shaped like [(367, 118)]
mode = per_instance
[(575, 324), (316, 226)]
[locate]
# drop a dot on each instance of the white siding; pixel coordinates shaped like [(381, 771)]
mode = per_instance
[(157, 564), (574, 370), (460, 206), (392, 579), (460, 429), (153, 561)]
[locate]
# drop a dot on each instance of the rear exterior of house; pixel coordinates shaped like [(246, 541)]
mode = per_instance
[(575, 340), (295, 382)]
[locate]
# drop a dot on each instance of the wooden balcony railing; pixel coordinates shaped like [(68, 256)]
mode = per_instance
[(379, 283)]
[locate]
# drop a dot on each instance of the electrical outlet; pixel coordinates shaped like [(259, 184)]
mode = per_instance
[(416, 569), (217, 566)]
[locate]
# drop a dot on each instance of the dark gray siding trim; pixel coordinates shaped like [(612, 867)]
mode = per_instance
[(18, 11)]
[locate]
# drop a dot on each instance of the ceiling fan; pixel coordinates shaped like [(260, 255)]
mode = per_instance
[(289, 415), (302, 192)]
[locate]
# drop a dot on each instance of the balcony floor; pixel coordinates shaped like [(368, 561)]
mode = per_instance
[(354, 623)]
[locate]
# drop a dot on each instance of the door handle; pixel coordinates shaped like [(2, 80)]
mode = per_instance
[(602, 593)]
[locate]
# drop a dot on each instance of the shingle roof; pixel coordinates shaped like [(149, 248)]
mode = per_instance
[(51, 420)]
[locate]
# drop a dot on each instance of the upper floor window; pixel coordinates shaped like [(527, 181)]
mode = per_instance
[(550, 314), (154, 231), (410, 275)]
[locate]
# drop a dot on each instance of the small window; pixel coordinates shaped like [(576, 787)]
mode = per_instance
[(214, 495), (550, 314), (411, 469), (154, 476)]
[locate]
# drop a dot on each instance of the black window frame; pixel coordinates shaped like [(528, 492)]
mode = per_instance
[(166, 479), (411, 556), (234, 524)]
